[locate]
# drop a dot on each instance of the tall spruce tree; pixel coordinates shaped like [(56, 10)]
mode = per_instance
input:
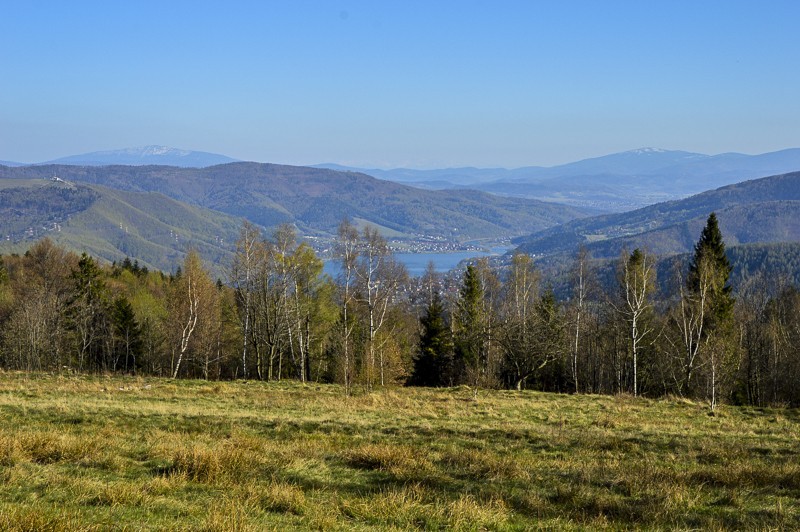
[(432, 365), (469, 328), (87, 314), (709, 254), (708, 277), (128, 335)]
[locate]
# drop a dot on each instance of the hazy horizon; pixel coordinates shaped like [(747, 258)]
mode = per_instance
[(411, 85), (324, 163)]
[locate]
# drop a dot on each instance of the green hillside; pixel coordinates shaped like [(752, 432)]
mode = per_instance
[(316, 199), (761, 210), (112, 224)]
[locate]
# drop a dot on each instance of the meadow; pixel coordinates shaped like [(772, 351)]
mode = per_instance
[(127, 453)]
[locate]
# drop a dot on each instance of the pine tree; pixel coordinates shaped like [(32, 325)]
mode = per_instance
[(87, 313), (710, 262), (469, 325), (707, 283), (432, 366), (128, 335)]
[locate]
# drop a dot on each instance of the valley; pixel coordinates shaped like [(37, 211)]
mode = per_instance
[(756, 211), (130, 210), (217, 199), (611, 183)]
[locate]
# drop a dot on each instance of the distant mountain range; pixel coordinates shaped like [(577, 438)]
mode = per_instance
[(315, 200), (757, 211), (141, 156), (612, 183), (203, 206)]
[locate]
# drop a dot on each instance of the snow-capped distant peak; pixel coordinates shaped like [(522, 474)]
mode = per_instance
[(161, 150), (152, 154), (645, 151)]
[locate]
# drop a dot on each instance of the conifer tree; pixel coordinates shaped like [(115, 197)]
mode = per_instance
[(432, 364), (710, 293), (128, 334), (469, 327), (87, 312), (709, 253)]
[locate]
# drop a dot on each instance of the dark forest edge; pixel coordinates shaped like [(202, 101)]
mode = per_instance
[(276, 316)]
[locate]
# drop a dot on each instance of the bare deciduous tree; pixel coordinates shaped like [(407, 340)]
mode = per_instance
[(637, 282)]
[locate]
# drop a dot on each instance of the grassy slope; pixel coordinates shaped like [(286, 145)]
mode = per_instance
[(83, 452), (151, 219), (159, 229)]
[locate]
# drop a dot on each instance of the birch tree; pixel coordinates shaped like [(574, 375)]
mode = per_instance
[(190, 297), (379, 277), (705, 320), (519, 344), (638, 283), (580, 291), (242, 276), (347, 251)]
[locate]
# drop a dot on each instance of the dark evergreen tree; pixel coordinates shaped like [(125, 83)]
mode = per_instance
[(127, 335), (469, 328), (709, 254), (87, 313), (708, 277), (550, 343), (433, 363)]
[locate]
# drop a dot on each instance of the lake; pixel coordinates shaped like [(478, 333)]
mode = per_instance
[(417, 263)]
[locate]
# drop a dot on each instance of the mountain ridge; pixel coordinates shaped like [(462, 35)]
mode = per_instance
[(615, 183), (757, 210), (316, 200), (145, 155)]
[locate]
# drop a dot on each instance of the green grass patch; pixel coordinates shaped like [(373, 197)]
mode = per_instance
[(92, 453)]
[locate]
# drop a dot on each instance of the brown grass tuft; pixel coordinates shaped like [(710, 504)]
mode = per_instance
[(36, 518), (201, 463), (279, 497), (401, 461), (51, 447), (228, 515)]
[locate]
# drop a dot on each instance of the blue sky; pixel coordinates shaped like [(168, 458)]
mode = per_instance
[(399, 83)]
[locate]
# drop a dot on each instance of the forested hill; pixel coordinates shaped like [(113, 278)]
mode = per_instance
[(316, 199), (761, 210), (112, 224)]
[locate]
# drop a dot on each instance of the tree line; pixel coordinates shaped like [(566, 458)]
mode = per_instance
[(275, 315)]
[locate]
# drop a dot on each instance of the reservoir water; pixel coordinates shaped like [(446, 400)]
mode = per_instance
[(417, 263)]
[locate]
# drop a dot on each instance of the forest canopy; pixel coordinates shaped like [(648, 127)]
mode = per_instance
[(707, 332)]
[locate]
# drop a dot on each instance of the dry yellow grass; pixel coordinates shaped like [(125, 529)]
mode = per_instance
[(94, 452)]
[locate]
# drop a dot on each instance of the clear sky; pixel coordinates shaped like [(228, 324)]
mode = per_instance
[(385, 83)]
